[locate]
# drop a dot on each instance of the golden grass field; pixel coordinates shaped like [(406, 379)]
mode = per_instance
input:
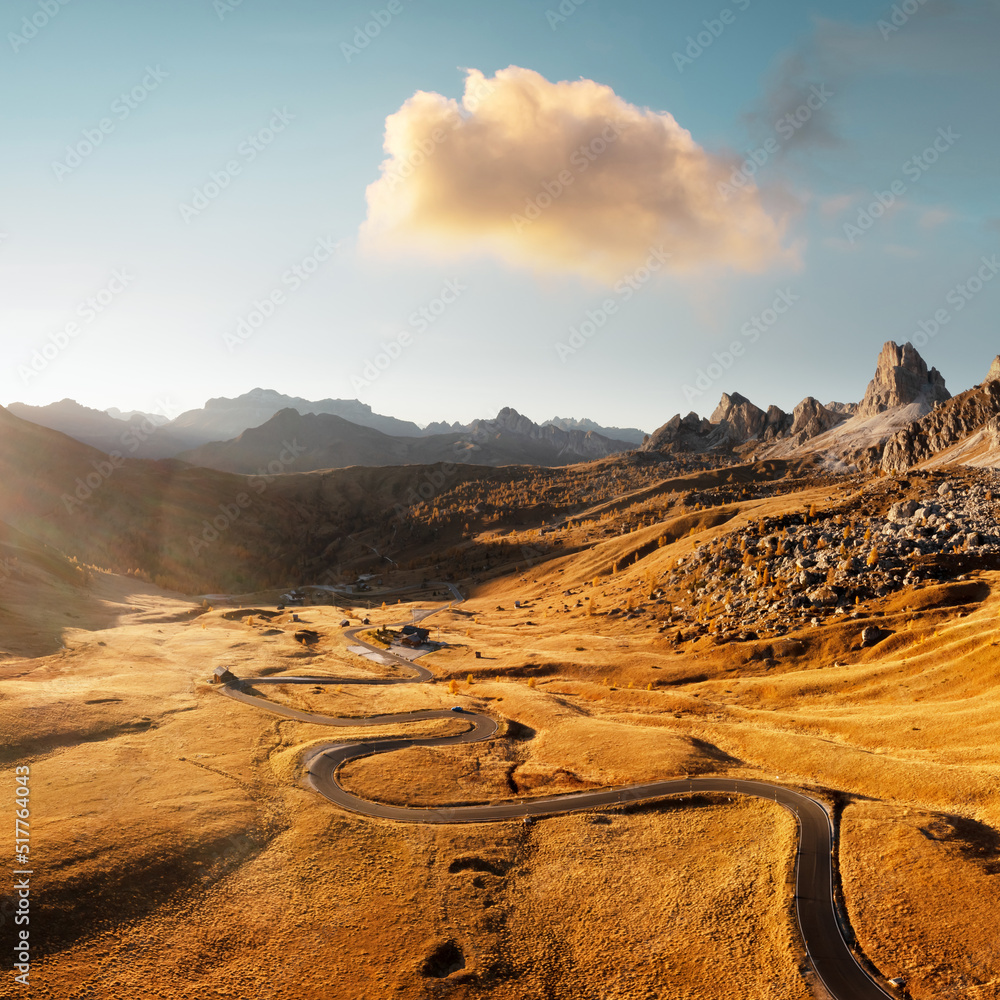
[(179, 855)]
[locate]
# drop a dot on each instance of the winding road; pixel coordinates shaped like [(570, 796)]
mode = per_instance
[(819, 923)]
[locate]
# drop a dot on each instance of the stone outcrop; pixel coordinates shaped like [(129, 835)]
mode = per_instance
[(902, 377), (811, 418), (736, 421), (846, 409), (745, 419), (680, 434)]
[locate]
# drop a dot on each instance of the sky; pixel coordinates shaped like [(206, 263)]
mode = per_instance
[(583, 208)]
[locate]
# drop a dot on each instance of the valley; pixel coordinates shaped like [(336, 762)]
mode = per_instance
[(654, 651)]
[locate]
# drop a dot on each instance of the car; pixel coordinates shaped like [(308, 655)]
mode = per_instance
[(457, 708)]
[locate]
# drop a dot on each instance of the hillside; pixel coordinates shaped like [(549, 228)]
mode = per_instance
[(132, 436)]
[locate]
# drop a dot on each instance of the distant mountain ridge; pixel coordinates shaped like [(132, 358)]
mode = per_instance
[(134, 435), (631, 434), (326, 441), (221, 419)]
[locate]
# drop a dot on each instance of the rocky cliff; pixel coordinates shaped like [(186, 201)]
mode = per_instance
[(901, 378), (967, 414), (736, 421)]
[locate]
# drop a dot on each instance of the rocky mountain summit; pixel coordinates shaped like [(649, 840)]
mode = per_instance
[(901, 377), (736, 422)]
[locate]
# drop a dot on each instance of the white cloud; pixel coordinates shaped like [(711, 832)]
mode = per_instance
[(564, 177)]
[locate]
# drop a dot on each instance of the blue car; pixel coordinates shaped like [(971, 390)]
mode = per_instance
[(458, 708)]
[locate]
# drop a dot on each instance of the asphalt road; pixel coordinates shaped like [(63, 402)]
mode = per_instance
[(830, 955)]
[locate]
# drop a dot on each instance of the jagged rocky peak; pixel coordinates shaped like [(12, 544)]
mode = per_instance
[(902, 377), (509, 419), (691, 423), (847, 409), (994, 372), (744, 418), (811, 418), (746, 422)]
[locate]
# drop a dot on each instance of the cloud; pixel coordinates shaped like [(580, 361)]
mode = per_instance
[(562, 177), (836, 204), (898, 250), (947, 40), (798, 106), (931, 218)]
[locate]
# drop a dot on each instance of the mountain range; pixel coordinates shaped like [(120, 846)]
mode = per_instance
[(276, 504), (906, 403), (326, 441), (507, 439), (907, 415)]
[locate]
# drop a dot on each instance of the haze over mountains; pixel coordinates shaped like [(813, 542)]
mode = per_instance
[(326, 441), (509, 438), (906, 403)]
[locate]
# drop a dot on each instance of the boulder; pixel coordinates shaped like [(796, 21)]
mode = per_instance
[(871, 635), (823, 596)]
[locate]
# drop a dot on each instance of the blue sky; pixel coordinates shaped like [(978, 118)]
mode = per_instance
[(282, 92)]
